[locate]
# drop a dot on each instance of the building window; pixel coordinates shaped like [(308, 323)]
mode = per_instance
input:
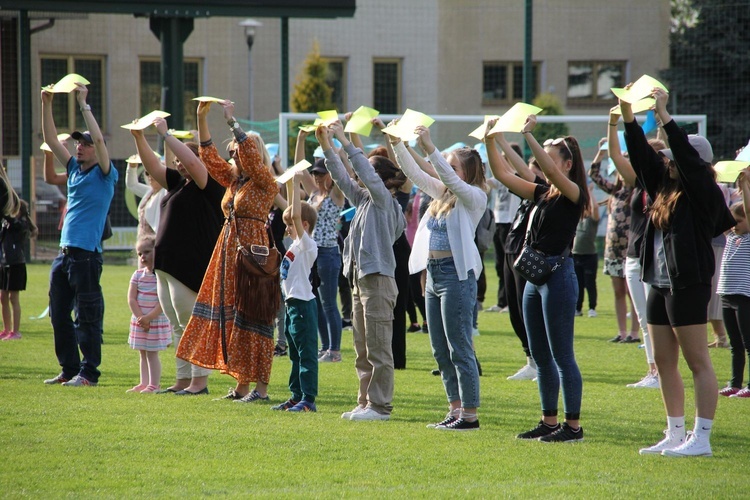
[(336, 79), (386, 85), (502, 82), (151, 88), (64, 106), (589, 81)]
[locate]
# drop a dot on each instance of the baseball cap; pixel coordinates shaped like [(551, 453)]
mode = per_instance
[(82, 137), (319, 166), (700, 144)]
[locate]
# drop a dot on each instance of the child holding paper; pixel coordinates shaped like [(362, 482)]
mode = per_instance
[(301, 318), (370, 265)]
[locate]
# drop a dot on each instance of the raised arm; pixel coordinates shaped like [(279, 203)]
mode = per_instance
[(102, 154), (647, 164), (49, 131), (50, 174), (151, 163), (192, 163), (595, 171), (308, 184), (429, 184), (593, 204), (567, 187), (132, 183), (501, 170), (516, 161), (333, 163), (622, 164), (293, 194)]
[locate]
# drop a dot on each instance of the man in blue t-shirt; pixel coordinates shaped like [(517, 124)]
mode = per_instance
[(74, 278)]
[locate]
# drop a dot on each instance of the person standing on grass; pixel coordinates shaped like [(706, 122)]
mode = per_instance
[(549, 309), (14, 235), (75, 273), (734, 289), (301, 318), (150, 331), (370, 265), (444, 245), (585, 256), (678, 262), (640, 204)]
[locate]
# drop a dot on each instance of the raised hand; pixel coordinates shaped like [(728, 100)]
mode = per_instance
[(228, 107), (423, 139), (529, 125), (161, 125), (81, 93), (203, 108)]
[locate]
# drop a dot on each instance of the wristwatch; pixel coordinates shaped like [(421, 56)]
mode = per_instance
[(86, 107), (168, 133), (233, 124)]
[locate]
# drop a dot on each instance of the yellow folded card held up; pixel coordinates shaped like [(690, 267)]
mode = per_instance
[(478, 133), (145, 121), (727, 171), (514, 119), (410, 120), (326, 118), (640, 89), (639, 106), (182, 134), (67, 84), (361, 121), (289, 173), (208, 98)]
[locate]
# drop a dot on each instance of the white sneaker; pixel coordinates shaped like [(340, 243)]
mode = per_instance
[(369, 414), (693, 446), (650, 381), (592, 313), (525, 373), (670, 441), (348, 414), (493, 309)]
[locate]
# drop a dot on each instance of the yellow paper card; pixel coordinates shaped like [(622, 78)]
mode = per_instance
[(206, 98), (60, 137), (67, 84), (145, 121), (133, 159), (329, 116), (727, 171), (514, 119), (640, 89), (411, 119), (361, 121), (299, 167), (640, 106), (182, 134), (478, 133), (313, 127)]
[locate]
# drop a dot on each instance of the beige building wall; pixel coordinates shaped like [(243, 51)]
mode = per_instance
[(442, 45)]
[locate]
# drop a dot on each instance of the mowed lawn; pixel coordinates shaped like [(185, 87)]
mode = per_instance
[(102, 443)]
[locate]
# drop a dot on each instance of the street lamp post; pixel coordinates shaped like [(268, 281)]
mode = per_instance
[(250, 26)]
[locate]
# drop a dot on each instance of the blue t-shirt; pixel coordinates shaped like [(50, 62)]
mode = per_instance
[(89, 196)]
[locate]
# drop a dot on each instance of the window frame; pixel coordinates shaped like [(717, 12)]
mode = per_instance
[(155, 59), (509, 69), (72, 110), (596, 65), (399, 79), (344, 82)]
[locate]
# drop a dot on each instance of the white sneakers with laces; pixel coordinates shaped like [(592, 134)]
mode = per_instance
[(369, 414), (650, 381), (347, 415), (671, 441), (525, 373), (694, 446)]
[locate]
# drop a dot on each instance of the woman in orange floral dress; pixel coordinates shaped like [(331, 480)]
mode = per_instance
[(217, 336)]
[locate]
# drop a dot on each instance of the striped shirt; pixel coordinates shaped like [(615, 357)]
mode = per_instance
[(735, 266)]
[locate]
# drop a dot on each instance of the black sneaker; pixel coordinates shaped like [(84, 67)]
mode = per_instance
[(460, 425), (539, 431), (231, 395), (449, 419), (565, 434), (424, 328), (279, 350), (414, 328)]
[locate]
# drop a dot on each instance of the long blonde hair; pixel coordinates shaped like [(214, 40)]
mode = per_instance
[(12, 203), (474, 173)]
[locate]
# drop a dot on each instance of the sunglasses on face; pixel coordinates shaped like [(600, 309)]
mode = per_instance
[(555, 142)]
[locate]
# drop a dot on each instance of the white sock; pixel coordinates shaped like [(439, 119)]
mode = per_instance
[(676, 425), (469, 417), (702, 427)]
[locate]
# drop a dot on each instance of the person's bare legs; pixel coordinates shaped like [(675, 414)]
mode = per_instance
[(154, 368), (720, 334), (692, 341), (666, 356), (196, 384), (621, 306), (5, 300)]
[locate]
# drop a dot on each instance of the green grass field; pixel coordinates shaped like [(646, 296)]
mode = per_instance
[(102, 443)]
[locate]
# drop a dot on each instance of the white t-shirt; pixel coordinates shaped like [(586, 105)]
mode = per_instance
[(296, 266)]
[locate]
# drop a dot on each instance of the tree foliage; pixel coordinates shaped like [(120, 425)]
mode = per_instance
[(550, 105), (311, 92), (710, 70)]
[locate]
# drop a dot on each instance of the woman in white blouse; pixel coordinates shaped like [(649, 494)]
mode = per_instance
[(151, 194)]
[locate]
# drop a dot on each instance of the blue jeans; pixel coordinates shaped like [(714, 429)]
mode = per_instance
[(74, 287), (450, 307), (549, 314), (329, 318)]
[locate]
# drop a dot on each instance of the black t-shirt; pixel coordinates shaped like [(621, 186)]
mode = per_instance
[(639, 203), (189, 224), (278, 228), (517, 234), (553, 226)]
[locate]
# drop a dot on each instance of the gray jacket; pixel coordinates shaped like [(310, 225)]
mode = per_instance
[(378, 220)]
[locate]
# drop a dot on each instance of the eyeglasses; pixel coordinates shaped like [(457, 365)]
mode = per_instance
[(555, 142)]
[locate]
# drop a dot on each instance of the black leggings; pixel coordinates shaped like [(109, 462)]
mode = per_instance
[(585, 266), (514, 286), (736, 312)]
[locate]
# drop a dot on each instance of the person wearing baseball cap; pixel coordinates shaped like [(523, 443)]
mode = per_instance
[(677, 260), (75, 273)]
